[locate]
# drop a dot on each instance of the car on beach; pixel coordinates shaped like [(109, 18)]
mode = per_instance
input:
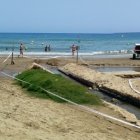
[(136, 53)]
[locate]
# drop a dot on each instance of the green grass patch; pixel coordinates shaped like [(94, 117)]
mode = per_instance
[(57, 84)]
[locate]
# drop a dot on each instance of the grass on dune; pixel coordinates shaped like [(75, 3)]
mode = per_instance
[(57, 84)]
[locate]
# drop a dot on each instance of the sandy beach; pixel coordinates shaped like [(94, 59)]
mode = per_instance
[(25, 117), (69, 70)]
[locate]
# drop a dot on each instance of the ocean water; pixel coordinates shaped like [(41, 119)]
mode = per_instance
[(91, 44)]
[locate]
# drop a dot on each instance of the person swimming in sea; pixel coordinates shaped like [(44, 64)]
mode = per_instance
[(73, 49)]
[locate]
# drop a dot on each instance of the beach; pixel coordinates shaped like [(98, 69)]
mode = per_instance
[(26, 117), (69, 70)]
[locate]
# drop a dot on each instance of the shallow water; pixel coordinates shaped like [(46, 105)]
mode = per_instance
[(130, 108), (61, 42), (117, 69)]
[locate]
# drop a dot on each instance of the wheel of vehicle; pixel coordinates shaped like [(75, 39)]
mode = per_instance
[(134, 56)]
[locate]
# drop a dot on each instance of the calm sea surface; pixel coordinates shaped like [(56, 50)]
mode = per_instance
[(89, 43)]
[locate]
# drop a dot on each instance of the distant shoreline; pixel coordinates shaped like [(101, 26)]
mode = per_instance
[(63, 54)]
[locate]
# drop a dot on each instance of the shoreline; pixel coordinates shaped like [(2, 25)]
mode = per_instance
[(69, 54)]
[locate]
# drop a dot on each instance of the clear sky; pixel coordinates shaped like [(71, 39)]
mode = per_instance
[(70, 16)]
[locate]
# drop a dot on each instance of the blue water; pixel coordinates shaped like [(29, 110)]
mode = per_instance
[(89, 43)]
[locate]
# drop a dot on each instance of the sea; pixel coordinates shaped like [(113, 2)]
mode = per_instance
[(60, 43)]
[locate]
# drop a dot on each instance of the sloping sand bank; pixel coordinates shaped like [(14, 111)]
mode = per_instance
[(105, 82), (27, 118)]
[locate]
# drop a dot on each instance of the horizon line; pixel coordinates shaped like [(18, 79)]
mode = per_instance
[(66, 32)]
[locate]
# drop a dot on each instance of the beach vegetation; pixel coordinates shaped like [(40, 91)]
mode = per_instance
[(41, 80)]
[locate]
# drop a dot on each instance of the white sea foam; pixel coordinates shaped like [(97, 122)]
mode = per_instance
[(113, 53)]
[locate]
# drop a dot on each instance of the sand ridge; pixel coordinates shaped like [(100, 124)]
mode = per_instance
[(101, 79)]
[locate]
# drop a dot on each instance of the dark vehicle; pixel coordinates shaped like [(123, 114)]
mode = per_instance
[(136, 51)]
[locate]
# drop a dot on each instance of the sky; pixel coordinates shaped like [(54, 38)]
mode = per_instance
[(69, 16)]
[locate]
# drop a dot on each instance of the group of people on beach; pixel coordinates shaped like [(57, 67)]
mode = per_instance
[(22, 48), (47, 48), (74, 48)]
